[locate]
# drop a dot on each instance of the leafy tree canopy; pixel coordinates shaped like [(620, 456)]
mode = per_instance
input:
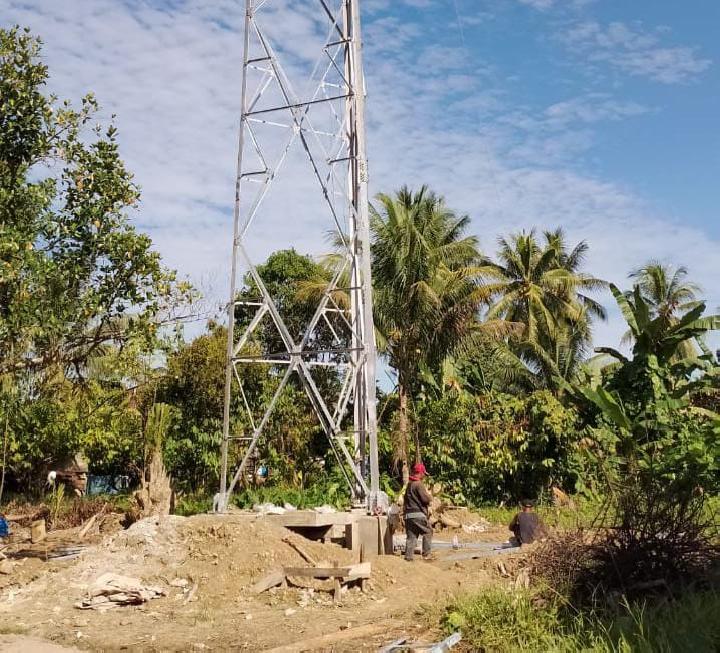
[(74, 274)]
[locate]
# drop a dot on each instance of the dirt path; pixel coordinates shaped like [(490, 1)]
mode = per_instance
[(25, 644), (207, 565)]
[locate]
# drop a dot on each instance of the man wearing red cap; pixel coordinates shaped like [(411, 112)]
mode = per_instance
[(415, 506)]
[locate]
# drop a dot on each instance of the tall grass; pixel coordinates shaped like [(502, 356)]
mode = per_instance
[(500, 621)]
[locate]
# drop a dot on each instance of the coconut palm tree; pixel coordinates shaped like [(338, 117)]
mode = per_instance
[(666, 289), (427, 290), (668, 294), (541, 286), (572, 261)]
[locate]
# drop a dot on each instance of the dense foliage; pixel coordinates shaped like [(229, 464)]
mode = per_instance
[(494, 387), (82, 294), (496, 446)]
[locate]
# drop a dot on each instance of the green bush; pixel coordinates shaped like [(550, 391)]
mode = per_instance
[(497, 446)]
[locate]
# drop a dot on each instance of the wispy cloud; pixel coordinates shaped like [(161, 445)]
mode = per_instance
[(538, 4), (173, 79), (373, 6), (591, 108), (635, 51), (544, 5)]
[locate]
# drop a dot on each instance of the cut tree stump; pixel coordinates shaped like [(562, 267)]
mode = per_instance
[(37, 531), (155, 497)]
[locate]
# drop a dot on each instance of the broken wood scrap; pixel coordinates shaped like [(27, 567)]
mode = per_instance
[(340, 575), (273, 579), (403, 645), (303, 553), (359, 571), (337, 586), (87, 526), (191, 594), (85, 529), (449, 522)]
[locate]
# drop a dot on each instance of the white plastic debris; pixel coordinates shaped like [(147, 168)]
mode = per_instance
[(112, 590), (324, 510), (268, 509)]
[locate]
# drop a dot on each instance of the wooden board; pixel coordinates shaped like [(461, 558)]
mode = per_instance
[(351, 572), (317, 572)]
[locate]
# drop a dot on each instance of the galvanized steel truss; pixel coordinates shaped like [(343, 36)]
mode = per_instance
[(337, 161)]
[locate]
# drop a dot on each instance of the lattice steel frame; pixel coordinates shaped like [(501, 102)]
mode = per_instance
[(337, 79)]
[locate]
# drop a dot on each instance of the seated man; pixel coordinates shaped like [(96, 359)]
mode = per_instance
[(526, 525)]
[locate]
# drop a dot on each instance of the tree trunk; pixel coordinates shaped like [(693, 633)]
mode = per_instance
[(416, 438), (403, 427), (4, 453)]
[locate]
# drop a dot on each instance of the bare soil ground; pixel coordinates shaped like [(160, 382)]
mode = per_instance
[(207, 564)]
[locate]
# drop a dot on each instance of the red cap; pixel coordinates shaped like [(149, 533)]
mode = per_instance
[(418, 471)]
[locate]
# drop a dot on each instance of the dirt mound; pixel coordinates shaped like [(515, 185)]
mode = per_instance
[(207, 565)]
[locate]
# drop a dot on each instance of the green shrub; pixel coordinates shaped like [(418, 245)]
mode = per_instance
[(496, 446), (501, 621)]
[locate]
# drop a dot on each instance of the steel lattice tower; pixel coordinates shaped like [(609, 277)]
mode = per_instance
[(325, 120)]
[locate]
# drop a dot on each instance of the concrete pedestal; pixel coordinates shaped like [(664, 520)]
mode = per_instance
[(368, 536)]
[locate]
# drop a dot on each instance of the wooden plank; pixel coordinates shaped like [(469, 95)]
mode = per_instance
[(337, 586), (87, 526), (351, 572), (317, 572), (90, 522), (305, 555), (273, 579), (323, 641)]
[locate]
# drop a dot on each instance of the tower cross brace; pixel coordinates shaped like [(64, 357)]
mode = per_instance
[(325, 121)]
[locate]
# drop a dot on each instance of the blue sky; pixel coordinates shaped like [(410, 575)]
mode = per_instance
[(600, 116)]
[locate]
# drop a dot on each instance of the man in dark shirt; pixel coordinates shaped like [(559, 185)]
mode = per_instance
[(526, 525), (415, 508)]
